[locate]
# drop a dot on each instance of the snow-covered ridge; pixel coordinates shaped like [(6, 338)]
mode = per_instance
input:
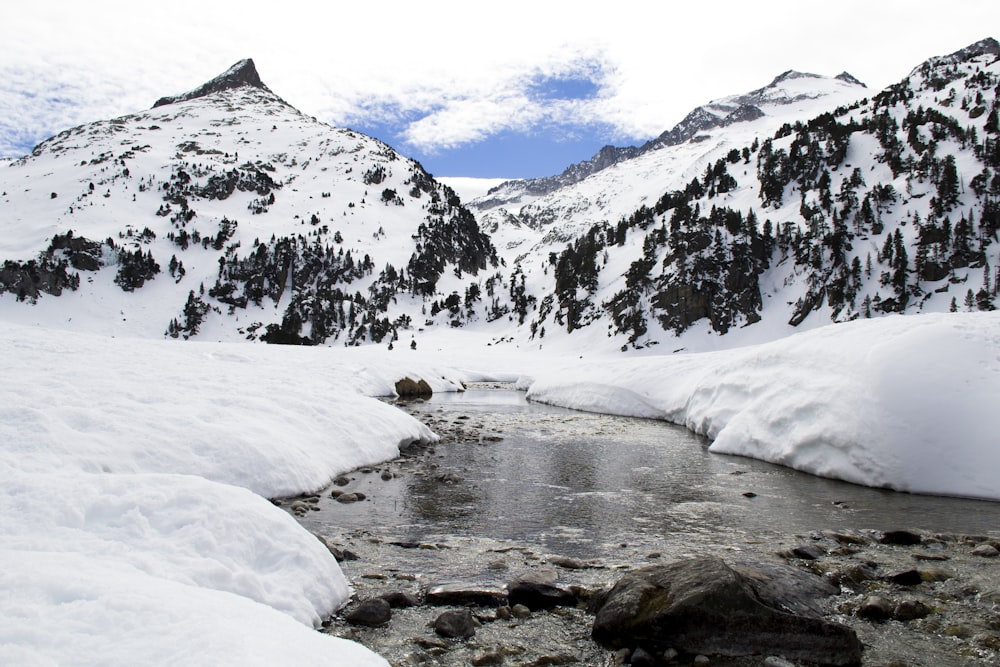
[(787, 88)]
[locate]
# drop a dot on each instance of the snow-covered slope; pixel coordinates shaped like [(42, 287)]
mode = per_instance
[(226, 212), (817, 211), (731, 120)]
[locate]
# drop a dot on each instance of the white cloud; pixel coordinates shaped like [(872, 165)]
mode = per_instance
[(458, 71)]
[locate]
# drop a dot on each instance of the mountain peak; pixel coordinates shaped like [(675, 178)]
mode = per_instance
[(243, 73), (846, 77), (987, 46), (982, 47), (791, 74)]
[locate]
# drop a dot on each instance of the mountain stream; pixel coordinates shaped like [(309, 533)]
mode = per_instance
[(518, 488)]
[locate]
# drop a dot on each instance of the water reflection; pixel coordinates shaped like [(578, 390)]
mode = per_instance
[(584, 483)]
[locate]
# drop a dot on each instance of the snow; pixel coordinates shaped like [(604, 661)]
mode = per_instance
[(133, 514), (124, 569), (134, 525), (469, 188), (905, 402)]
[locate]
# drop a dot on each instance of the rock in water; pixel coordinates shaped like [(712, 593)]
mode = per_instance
[(537, 595), (704, 606), (372, 613), (466, 594), (457, 624), (409, 388)]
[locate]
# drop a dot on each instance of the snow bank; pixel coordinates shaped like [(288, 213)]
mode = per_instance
[(162, 569), (908, 403), (132, 524), (275, 420)]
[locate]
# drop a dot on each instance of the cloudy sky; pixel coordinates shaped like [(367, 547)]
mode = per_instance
[(503, 89)]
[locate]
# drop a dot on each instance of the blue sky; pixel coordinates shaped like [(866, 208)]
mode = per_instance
[(542, 150), (519, 89), (505, 155)]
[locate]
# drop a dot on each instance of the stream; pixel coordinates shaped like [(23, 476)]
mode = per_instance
[(514, 487)]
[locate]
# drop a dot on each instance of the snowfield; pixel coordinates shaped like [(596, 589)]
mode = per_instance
[(133, 520)]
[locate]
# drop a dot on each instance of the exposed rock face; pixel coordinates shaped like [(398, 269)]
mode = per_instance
[(243, 73), (703, 606)]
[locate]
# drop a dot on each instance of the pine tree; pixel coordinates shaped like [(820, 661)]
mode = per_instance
[(947, 186), (899, 265)]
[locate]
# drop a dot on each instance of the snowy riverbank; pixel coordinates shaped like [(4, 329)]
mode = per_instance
[(133, 519), (908, 403)]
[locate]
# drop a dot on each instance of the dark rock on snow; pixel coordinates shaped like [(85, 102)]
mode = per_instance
[(704, 606), (242, 74)]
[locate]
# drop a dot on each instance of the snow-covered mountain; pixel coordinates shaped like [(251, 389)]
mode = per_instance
[(772, 100), (227, 213), (827, 206)]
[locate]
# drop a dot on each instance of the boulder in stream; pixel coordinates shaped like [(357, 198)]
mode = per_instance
[(455, 624), (409, 388), (372, 613), (474, 595), (704, 606), (537, 595)]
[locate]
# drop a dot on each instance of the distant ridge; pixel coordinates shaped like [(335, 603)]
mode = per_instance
[(719, 113), (243, 73)]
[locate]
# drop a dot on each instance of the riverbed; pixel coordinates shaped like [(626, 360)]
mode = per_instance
[(517, 488)]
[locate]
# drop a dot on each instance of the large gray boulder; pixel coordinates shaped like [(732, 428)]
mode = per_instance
[(703, 606)]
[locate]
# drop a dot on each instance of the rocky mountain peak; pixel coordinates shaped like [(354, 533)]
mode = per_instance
[(982, 47), (243, 73), (846, 77), (987, 46), (789, 75)]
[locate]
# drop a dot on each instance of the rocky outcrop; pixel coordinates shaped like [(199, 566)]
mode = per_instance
[(243, 73), (704, 606)]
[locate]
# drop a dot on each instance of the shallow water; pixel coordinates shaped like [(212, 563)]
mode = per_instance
[(515, 488), (582, 484)]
